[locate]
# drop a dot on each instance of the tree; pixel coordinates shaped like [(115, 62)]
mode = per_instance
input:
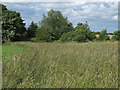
[(3, 7), (69, 27), (45, 33), (103, 35), (73, 36), (97, 32), (31, 32), (79, 38), (117, 34), (57, 22), (67, 36), (81, 33), (110, 33), (82, 26), (13, 28), (114, 37), (85, 30)]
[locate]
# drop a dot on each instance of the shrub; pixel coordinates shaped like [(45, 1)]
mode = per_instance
[(78, 35), (31, 32), (114, 38), (67, 36), (33, 40), (103, 35), (117, 33), (79, 38), (45, 33)]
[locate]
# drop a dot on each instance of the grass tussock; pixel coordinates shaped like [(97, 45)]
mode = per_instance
[(67, 65)]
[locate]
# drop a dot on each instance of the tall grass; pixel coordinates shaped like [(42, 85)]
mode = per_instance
[(67, 65)]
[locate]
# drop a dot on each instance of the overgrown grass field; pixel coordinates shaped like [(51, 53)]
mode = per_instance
[(61, 65)]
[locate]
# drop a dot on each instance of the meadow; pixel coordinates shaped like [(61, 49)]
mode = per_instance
[(60, 65), (9, 50)]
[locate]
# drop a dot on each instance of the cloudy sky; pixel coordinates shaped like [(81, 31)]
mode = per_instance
[(100, 15)]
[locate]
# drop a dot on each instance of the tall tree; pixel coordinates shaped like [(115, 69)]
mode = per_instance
[(85, 30), (69, 27), (31, 32), (103, 35), (56, 21), (117, 34), (13, 28), (81, 33), (45, 33)]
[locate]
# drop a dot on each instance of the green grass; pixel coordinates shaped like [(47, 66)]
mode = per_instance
[(10, 50), (67, 65)]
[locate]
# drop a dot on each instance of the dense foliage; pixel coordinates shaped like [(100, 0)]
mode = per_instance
[(45, 33), (12, 25), (80, 34), (32, 29), (117, 35), (103, 35), (57, 22)]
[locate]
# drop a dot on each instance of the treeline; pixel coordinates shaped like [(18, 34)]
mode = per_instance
[(53, 27)]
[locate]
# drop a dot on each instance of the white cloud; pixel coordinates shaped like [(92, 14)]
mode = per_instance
[(59, 1), (76, 12), (95, 12), (31, 7), (17, 5), (47, 9), (62, 5), (115, 17)]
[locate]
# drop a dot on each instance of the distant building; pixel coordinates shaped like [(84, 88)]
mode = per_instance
[(110, 36)]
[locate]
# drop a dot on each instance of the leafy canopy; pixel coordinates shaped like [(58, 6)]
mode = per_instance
[(57, 22), (45, 33), (12, 25), (103, 36), (31, 32)]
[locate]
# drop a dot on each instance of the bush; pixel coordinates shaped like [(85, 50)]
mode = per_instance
[(80, 35), (67, 36), (114, 38), (103, 36), (117, 34), (45, 33), (79, 38), (33, 40), (31, 32)]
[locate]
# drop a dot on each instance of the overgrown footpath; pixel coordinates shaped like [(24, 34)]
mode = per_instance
[(57, 65)]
